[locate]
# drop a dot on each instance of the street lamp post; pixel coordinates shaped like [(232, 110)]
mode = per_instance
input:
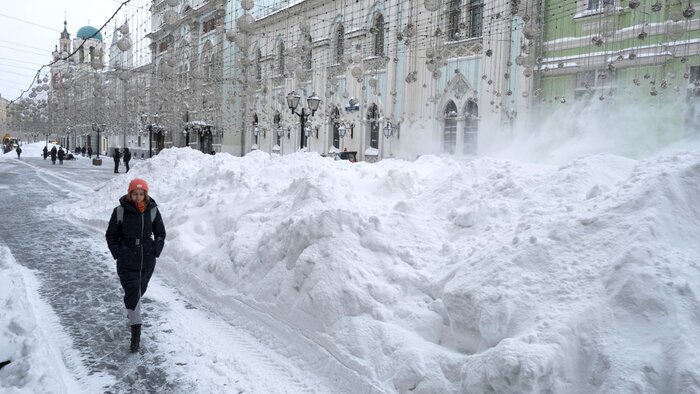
[(293, 100), (98, 128), (149, 127)]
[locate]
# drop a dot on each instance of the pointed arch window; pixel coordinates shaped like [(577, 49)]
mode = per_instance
[(471, 127), (378, 29), (449, 140), (339, 44)]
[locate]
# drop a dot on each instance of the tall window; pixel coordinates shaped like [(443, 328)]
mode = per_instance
[(450, 129), (373, 117), (307, 51), (378, 43), (476, 18), (258, 65), (471, 127), (280, 58), (339, 43), (206, 62), (454, 15)]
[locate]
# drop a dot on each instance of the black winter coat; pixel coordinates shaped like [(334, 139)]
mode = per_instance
[(127, 155), (53, 153), (116, 155), (136, 242), (61, 154)]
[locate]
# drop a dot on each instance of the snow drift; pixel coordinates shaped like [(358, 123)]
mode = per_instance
[(444, 274)]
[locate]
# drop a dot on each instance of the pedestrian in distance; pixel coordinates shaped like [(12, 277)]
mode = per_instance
[(46, 152), (89, 151), (19, 151), (116, 156), (61, 155), (127, 158), (135, 237), (53, 155)]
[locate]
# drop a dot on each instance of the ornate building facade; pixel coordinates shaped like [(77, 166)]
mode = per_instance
[(395, 80), (187, 74)]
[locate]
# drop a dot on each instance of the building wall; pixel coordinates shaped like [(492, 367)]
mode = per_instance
[(466, 73), (641, 58)]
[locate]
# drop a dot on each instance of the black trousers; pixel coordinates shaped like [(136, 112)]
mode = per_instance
[(116, 166), (126, 163), (130, 282)]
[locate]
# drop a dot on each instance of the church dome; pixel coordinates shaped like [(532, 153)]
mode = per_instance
[(86, 32)]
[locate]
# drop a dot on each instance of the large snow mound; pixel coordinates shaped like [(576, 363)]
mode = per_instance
[(448, 275)]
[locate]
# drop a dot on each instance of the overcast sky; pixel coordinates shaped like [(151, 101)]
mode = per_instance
[(24, 46)]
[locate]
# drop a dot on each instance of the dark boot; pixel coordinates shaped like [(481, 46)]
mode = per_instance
[(135, 338)]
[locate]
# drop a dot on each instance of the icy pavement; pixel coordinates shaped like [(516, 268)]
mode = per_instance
[(185, 348)]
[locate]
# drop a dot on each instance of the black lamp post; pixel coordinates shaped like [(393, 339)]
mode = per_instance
[(293, 100), (149, 127), (98, 128)]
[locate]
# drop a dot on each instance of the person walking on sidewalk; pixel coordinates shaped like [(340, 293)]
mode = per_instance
[(135, 237), (46, 152), (127, 158), (116, 156), (19, 151), (53, 155), (89, 152), (61, 155)]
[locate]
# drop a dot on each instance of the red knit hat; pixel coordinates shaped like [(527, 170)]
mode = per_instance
[(138, 184)]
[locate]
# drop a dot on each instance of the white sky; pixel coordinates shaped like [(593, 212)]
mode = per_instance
[(24, 47)]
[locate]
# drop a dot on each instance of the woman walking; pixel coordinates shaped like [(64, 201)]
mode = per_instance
[(135, 236)]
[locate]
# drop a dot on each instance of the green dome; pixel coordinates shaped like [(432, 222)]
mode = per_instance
[(86, 32)]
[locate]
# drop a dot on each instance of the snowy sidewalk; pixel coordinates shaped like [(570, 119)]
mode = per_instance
[(185, 348)]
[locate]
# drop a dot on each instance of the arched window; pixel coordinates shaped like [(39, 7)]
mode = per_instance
[(471, 127), (454, 16), (373, 118), (378, 42), (339, 44), (258, 65), (335, 125), (449, 141), (280, 58)]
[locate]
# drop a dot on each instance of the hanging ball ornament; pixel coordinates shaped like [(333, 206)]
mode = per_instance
[(245, 23), (527, 72), (432, 5), (124, 44), (170, 17), (656, 7), (124, 29), (634, 4), (356, 72), (230, 36), (247, 4)]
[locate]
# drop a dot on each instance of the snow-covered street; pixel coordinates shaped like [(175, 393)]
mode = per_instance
[(186, 348), (298, 273)]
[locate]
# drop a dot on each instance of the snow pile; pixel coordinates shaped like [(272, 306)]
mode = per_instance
[(28, 336), (446, 275)]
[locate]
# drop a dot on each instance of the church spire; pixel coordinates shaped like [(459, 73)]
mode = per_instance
[(65, 35)]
